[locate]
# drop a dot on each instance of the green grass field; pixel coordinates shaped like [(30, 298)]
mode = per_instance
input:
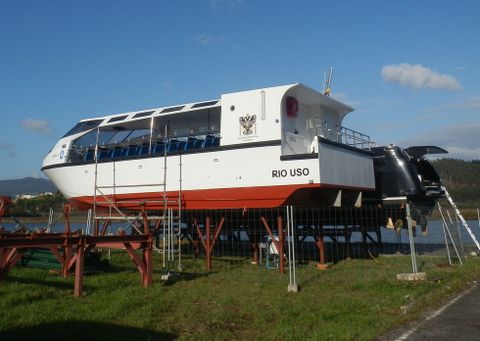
[(357, 299)]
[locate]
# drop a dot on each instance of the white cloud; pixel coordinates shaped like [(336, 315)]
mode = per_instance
[(37, 126), (207, 39), (217, 4), (418, 76)]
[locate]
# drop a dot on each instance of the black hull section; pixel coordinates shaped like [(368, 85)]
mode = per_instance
[(407, 173)]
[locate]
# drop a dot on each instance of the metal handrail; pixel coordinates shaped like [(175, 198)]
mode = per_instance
[(354, 138)]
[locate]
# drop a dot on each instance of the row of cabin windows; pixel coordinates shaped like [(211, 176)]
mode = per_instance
[(173, 145)]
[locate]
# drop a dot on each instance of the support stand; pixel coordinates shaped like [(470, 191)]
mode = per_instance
[(414, 275), (207, 241)]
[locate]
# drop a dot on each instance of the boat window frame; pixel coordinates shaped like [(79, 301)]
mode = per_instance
[(83, 126)]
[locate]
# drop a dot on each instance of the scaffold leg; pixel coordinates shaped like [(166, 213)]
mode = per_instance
[(79, 264), (148, 261), (322, 265), (208, 242)]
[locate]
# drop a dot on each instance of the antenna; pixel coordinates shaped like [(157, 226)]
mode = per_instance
[(327, 82)]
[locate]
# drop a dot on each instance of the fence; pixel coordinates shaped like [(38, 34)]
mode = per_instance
[(216, 240)]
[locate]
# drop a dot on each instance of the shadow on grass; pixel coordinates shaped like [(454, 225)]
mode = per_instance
[(64, 284), (82, 330)]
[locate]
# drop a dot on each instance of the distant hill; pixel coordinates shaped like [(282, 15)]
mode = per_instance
[(26, 186), (462, 180)]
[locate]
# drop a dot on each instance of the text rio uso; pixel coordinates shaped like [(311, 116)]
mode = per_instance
[(283, 173)]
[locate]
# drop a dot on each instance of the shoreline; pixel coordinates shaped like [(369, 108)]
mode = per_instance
[(467, 213)]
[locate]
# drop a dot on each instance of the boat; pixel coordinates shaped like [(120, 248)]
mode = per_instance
[(261, 148), (257, 148)]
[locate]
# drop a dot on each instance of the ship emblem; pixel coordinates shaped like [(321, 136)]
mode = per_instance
[(248, 125)]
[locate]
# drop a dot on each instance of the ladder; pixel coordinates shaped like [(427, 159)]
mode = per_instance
[(459, 215), (171, 235)]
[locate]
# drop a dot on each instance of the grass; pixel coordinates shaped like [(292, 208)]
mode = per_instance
[(357, 299)]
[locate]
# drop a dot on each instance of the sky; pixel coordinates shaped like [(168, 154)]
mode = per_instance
[(411, 69)]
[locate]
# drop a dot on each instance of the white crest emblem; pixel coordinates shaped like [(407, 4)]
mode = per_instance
[(248, 125)]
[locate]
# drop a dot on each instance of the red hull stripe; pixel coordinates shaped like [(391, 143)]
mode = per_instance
[(218, 198)]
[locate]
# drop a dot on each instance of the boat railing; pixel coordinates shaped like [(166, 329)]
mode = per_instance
[(354, 138)]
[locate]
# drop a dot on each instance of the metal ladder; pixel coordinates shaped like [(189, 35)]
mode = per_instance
[(170, 234), (459, 215)]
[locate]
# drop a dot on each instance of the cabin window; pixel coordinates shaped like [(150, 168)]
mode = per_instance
[(118, 118), (187, 131), (83, 126), (144, 114), (139, 133), (204, 104), (198, 122), (120, 136), (104, 137), (172, 109)]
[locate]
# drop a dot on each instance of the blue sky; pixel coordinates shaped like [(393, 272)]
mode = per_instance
[(411, 69)]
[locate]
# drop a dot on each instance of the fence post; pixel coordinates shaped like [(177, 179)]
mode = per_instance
[(292, 285), (410, 238), (207, 244), (281, 242)]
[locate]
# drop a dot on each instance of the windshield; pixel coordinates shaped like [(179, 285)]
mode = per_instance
[(82, 126)]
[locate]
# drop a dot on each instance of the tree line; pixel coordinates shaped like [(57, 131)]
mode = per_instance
[(462, 180), (36, 206)]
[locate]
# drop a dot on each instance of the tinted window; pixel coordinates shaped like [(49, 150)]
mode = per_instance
[(90, 138), (118, 118), (204, 104), (196, 122), (139, 133), (82, 126), (144, 114), (172, 109)]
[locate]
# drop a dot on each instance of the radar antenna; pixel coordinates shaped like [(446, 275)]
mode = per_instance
[(327, 82)]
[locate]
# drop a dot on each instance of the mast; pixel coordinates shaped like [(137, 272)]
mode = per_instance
[(327, 82)]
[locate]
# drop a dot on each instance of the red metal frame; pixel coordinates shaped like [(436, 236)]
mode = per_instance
[(207, 241), (70, 249), (322, 265), (12, 249), (4, 202)]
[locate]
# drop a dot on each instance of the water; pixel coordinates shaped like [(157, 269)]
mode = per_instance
[(435, 233), (434, 236)]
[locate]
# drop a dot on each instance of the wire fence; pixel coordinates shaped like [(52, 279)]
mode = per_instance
[(286, 237), (320, 236)]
